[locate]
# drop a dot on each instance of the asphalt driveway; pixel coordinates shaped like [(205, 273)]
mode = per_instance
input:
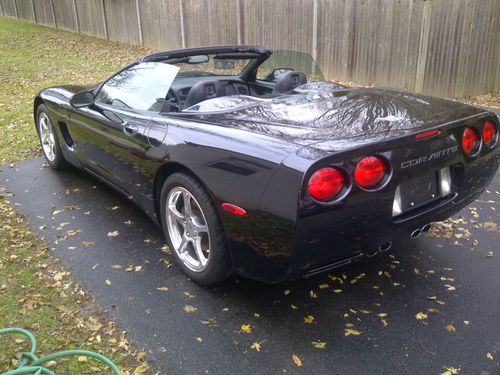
[(428, 305)]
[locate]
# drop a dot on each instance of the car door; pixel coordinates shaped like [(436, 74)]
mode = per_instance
[(110, 136), (108, 142)]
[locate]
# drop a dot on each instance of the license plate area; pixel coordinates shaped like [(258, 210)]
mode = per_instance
[(419, 190)]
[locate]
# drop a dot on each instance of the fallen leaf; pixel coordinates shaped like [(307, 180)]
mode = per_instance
[(489, 356), (350, 331), (450, 328), (246, 328), (142, 369), (451, 371), (319, 344), (255, 346), (116, 266), (190, 309), (113, 234), (296, 360), (162, 288), (309, 319), (421, 316), (108, 282)]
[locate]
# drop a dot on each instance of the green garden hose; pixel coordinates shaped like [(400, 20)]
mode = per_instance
[(30, 364)]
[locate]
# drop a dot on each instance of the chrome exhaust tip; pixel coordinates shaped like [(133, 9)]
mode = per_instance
[(416, 233), (426, 227), (385, 247)]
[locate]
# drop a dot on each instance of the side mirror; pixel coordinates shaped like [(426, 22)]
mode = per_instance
[(82, 99)]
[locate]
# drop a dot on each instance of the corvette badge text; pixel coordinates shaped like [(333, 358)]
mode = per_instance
[(426, 158)]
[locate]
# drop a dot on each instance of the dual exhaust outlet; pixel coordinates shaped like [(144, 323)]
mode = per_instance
[(386, 247), (417, 232)]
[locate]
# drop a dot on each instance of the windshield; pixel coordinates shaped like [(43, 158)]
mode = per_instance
[(223, 64)]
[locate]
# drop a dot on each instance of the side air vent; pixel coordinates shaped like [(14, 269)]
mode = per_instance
[(65, 133)]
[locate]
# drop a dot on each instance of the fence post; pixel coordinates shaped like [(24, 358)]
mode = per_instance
[(104, 20), (238, 21), (314, 51), (423, 46), (75, 9), (139, 23), (53, 13), (33, 8), (181, 15), (15, 7)]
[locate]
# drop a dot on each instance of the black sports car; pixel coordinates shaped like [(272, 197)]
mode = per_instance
[(249, 168)]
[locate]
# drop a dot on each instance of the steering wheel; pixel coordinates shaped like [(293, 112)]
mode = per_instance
[(172, 101)]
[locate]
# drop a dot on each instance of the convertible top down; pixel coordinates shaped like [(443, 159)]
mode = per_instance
[(252, 164)]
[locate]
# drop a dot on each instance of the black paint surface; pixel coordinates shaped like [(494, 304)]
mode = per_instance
[(157, 320)]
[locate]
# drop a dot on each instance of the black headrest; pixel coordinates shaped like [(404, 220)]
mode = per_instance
[(204, 90), (288, 81)]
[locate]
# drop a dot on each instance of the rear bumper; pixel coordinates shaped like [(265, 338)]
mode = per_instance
[(335, 236), (363, 227)]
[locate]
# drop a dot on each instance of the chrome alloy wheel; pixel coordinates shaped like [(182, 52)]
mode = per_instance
[(187, 228), (47, 138)]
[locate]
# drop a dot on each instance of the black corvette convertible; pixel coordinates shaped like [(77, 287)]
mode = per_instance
[(252, 164)]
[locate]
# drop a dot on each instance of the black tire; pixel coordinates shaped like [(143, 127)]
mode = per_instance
[(219, 265), (56, 160)]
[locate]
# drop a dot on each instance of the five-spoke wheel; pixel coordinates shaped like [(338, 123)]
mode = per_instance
[(187, 228), (193, 229), (48, 138)]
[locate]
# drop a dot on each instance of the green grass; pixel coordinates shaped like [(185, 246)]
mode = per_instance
[(34, 57), (35, 291)]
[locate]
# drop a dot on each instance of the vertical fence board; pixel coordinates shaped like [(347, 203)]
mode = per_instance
[(25, 9), (161, 24), (65, 14), (210, 22), (121, 17), (43, 12), (90, 16), (334, 34), (8, 8), (279, 24)]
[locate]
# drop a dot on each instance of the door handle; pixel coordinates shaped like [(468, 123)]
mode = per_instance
[(131, 129)]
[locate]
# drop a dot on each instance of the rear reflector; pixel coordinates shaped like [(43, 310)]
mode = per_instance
[(370, 172), (427, 134), (489, 133), (470, 141), (326, 183), (233, 209)]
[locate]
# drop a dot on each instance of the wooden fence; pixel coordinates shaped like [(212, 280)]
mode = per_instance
[(443, 47)]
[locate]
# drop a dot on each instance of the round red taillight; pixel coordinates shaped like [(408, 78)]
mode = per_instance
[(326, 183), (470, 141), (489, 133), (370, 172)]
